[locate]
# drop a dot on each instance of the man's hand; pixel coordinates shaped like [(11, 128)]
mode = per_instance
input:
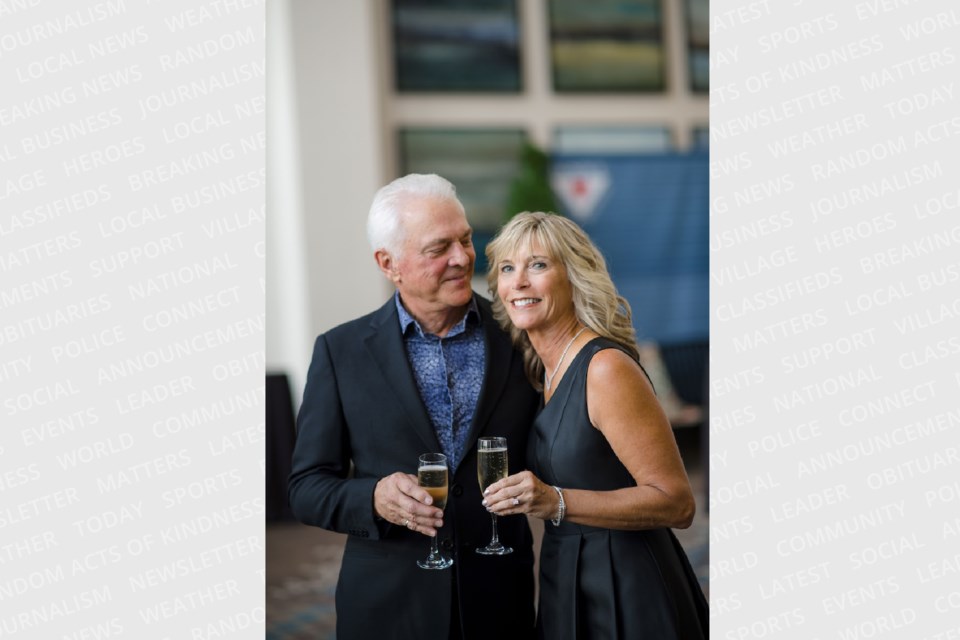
[(400, 500)]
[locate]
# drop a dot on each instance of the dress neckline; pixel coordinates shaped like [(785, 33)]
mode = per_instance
[(573, 361)]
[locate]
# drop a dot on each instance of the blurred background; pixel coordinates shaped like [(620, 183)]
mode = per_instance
[(596, 110)]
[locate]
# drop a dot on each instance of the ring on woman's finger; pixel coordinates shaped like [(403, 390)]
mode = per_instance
[(516, 501)]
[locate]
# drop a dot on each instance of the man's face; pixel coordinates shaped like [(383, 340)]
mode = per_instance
[(435, 265)]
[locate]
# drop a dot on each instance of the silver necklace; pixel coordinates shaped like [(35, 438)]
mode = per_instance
[(548, 377)]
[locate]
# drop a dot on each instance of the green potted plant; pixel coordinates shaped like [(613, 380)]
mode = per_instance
[(530, 189)]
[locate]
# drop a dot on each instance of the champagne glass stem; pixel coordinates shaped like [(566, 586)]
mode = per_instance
[(434, 549), (495, 541)]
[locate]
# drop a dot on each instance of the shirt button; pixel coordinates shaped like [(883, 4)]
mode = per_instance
[(457, 490)]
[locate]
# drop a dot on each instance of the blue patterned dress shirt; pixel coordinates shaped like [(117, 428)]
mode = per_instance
[(449, 374)]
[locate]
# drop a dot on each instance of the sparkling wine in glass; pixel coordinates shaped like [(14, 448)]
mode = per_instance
[(432, 476), (492, 466)]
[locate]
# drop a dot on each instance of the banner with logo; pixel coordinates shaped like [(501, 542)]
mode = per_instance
[(649, 215)]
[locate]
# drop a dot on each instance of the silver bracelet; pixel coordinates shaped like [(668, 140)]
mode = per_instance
[(561, 509)]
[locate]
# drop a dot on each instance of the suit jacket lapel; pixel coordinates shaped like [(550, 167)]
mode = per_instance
[(385, 346), (499, 353)]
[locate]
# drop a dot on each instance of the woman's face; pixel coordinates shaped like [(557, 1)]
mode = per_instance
[(534, 288)]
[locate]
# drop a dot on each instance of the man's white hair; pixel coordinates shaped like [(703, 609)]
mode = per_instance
[(384, 230)]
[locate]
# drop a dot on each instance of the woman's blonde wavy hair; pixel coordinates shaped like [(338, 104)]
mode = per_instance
[(595, 299)]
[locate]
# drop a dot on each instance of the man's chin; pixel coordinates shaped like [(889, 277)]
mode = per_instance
[(458, 294)]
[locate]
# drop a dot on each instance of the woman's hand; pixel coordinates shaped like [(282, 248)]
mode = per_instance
[(522, 493)]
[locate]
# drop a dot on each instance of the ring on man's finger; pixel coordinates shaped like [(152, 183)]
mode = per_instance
[(516, 501), (406, 522)]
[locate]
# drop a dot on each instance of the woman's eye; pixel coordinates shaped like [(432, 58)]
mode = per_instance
[(539, 265), (506, 268)]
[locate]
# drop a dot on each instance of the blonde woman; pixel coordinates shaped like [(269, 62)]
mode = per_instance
[(604, 468)]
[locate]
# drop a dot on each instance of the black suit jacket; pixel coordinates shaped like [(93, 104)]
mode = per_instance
[(361, 406)]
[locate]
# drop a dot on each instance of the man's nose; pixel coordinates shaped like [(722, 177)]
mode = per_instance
[(458, 256)]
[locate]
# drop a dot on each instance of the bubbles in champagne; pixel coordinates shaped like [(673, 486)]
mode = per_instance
[(491, 466), (434, 479)]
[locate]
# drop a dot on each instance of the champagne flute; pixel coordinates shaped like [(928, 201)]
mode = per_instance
[(432, 476), (492, 466)]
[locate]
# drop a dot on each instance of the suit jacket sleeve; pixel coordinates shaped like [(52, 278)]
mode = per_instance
[(321, 493)]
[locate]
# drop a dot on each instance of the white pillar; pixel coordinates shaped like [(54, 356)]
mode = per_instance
[(325, 161)]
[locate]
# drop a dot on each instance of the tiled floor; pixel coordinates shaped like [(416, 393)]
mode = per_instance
[(303, 562)]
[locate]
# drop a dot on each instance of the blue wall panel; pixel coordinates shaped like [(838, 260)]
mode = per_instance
[(652, 224)]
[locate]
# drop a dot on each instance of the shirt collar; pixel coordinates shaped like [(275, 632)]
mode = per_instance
[(472, 317)]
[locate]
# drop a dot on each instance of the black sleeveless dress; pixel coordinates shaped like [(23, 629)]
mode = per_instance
[(604, 583)]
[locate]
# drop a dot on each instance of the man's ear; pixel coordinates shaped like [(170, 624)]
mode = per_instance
[(387, 265)]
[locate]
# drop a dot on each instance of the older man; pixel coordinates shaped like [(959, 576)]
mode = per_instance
[(430, 371)]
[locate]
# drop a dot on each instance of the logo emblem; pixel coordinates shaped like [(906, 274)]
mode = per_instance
[(581, 188)]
